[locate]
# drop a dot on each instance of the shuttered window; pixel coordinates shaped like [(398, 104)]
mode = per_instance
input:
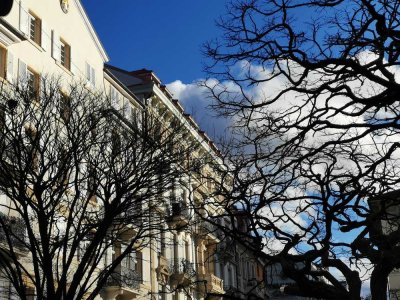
[(33, 81), (3, 62), (65, 55), (35, 29), (90, 75), (114, 98)]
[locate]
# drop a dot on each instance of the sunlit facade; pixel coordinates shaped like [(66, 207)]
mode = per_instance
[(191, 259)]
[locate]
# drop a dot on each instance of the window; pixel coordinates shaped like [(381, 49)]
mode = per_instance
[(3, 62), (33, 81), (33, 149), (65, 55), (7, 290), (35, 29), (114, 98), (90, 75), (81, 249), (92, 184), (127, 109), (65, 107)]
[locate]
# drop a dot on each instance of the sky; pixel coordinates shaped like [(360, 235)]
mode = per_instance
[(165, 36), (161, 35)]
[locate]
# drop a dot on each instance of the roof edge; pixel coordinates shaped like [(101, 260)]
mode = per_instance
[(92, 31)]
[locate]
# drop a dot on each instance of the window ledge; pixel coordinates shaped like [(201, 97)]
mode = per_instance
[(64, 68), (36, 45)]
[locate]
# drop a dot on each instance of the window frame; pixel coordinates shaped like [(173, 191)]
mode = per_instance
[(36, 35), (65, 54), (31, 73)]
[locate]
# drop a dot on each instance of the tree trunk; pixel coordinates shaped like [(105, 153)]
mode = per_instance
[(379, 282)]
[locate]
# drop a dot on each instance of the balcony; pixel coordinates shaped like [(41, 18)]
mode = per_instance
[(123, 281), (183, 273), (226, 250), (233, 291), (178, 216), (208, 231), (124, 224), (209, 283), (16, 229)]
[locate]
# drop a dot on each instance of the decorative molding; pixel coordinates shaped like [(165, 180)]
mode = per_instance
[(7, 37)]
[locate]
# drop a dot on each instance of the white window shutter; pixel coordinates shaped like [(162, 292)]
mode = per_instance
[(55, 48), (23, 20), (93, 76), (127, 109), (88, 72), (43, 87), (74, 69), (46, 39), (10, 67), (132, 113), (22, 72), (114, 98)]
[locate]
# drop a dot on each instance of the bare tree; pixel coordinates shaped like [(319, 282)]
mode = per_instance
[(78, 178), (313, 88)]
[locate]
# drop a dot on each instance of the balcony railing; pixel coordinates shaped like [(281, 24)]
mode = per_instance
[(183, 266), (226, 250), (125, 278), (183, 273), (213, 284), (16, 229)]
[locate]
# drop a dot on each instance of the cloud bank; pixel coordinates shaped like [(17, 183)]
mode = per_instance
[(196, 102)]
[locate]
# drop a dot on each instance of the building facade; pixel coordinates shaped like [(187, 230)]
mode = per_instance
[(190, 259)]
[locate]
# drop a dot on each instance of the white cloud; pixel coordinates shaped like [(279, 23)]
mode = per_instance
[(196, 102)]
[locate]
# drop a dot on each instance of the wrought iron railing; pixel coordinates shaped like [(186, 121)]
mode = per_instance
[(125, 277), (226, 249), (14, 228), (183, 266)]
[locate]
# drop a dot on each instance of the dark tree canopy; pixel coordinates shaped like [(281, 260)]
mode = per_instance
[(78, 177), (313, 89)]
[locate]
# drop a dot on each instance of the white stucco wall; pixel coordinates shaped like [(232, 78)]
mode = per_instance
[(71, 27)]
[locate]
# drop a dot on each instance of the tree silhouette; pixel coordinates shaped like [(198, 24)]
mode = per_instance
[(313, 89), (79, 178)]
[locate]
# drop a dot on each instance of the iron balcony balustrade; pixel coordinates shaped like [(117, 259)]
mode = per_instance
[(183, 272), (125, 278)]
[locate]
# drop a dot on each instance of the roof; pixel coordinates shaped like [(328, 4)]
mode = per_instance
[(92, 31), (122, 85), (144, 76)]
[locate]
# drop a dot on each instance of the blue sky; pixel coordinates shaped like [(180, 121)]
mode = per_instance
[(162, 35)]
